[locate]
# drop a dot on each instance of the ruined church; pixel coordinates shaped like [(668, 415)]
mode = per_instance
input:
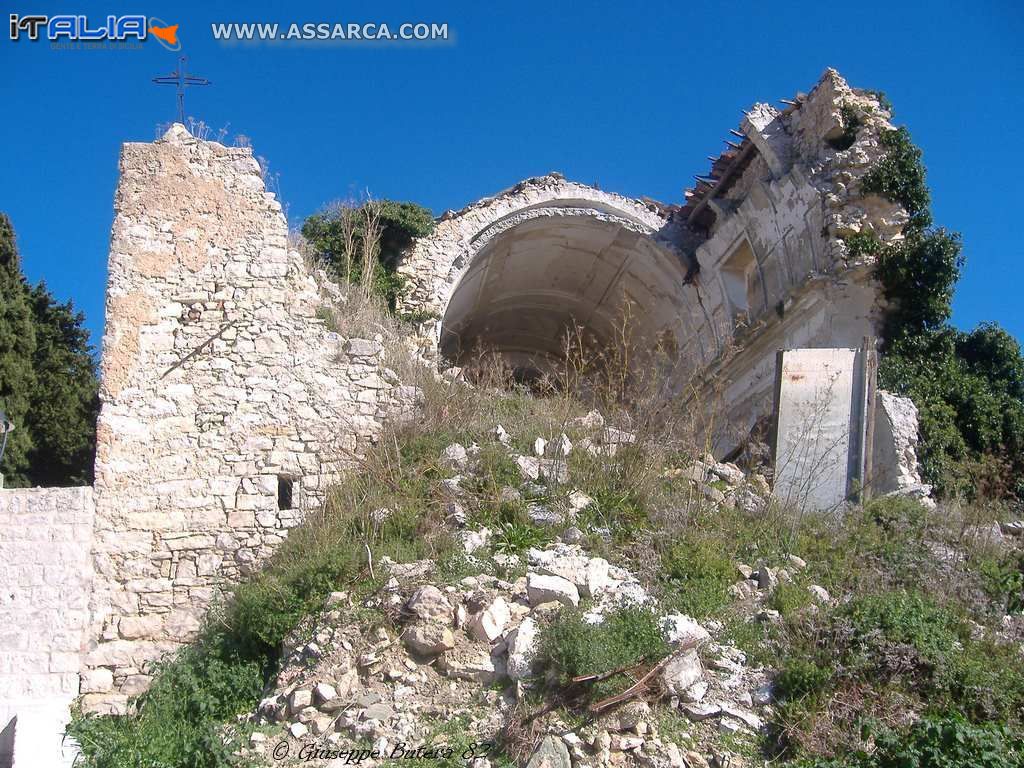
[(229, 406)]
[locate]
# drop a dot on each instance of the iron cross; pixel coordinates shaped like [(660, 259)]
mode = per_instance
[(182, 79)]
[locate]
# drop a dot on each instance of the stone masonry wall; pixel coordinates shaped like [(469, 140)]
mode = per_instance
[(44, 591), (227, 405)]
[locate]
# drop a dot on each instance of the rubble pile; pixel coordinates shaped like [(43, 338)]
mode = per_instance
[(422, 659)]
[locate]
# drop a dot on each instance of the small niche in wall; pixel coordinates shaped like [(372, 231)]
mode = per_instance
[(738, 272), (285, 492)]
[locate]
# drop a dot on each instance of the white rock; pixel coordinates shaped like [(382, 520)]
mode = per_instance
[(630, 715), (428, 638), (680, 629), (749, 719), (727, 726), (324, 692), (455, 514), (529, 467), (488, 625), (506, 561), (550, 753), (543, 515), (703, 711), (546, 589), (820, 594), (578, 500), (555, 470), (298, 730), (539, 446), (522, 648), (336, 599), (613, 436), (695, 692), (593, 449), (501, 435), (595, 577), (729, 473), (428, 603), (474, 540), (572, 535), (592, 420), (681, 672), (454, 456), (450, 485), (299, 699), (743, 590), (321, 725), (1015, 528), (563, 447), (762, 695), (622, 743), (362, 347), (474, 663)]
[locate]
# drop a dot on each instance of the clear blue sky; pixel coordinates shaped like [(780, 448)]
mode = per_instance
[(632, 96)]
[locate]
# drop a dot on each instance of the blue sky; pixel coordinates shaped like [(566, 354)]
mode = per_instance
[(631, 96)]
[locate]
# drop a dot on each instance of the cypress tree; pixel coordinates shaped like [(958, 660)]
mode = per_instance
[(62, 418), (17, 344)]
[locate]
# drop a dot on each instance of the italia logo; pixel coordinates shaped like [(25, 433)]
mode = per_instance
[(81, 28)]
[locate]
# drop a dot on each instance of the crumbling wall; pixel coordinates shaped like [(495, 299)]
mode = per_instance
[(228, 406), (791, 202), (44, 591), (894, 465), (761, 240)]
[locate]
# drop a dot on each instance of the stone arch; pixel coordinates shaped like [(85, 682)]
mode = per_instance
[(513, 273)]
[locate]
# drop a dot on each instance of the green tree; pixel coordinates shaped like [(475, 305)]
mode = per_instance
[(65, 400), (48, 384), (968, 387), (17, 342)]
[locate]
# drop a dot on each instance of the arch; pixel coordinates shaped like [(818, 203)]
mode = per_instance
[(515, 272), (529, 286)]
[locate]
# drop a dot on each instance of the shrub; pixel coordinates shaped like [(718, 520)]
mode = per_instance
[(339, 235), (696, 574), (800, 677), (967, 412), (514, 537), (937, 742), (180, 720), (899, 618), (789, 598), (1003, 580), (572, 647), (900, 176)]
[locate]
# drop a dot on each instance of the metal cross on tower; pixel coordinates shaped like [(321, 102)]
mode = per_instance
[(182, 79)]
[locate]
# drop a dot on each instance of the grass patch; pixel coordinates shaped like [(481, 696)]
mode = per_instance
[(571, 647), (696, 575)]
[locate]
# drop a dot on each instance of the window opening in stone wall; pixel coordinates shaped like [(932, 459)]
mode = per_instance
[(738, 272), (285, 487)]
